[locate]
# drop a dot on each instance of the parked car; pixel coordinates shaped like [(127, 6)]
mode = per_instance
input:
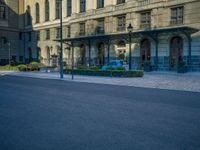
[(115, 64)]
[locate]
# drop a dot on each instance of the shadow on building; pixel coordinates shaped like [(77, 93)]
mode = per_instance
[(18, 42)]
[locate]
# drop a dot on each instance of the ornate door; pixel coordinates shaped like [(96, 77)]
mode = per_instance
[(100, 59), (176, 52), (145, 52)]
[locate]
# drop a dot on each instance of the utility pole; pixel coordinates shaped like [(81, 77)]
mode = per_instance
[(61, 43)]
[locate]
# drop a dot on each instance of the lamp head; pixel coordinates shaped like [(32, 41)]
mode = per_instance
[(130, 28)]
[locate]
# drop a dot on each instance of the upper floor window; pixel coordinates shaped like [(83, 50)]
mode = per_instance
[(46, 10), (121, 23), (29, 36), (57, 32), (37, 35), (82, 29), (69, 8), (177, 15), (37, 13), (100, 26), (145, 20), (68, 31), (28, 15), (58, 9), (100, 3), (82, 6), (2, 10), (120, 1), (48, 34)]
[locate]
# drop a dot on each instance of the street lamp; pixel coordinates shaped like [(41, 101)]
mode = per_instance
[(9, 53), (61, 43), (130, 29)]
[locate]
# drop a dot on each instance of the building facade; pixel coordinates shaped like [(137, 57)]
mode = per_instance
[(165, 32)]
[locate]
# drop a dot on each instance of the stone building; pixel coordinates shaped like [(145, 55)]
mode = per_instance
[(165, 32), (11, 29)]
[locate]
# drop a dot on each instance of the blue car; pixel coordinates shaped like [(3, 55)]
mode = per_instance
[(115, 64)]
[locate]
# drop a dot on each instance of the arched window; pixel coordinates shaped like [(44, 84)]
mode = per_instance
[(28, 15), (82, 54), (46, 10), (145, 52), (101, 54), (30, 54), (2, 10), (176, 52), (58, 9), (3, 41), (37, 13)]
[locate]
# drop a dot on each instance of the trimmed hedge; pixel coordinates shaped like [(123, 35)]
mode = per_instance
[(33, 66), (8, 68), (112, 73)]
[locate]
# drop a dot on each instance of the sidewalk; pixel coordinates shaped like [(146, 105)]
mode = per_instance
[(159, 80)]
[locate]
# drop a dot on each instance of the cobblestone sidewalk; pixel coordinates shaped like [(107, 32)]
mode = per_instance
[(160, 80)]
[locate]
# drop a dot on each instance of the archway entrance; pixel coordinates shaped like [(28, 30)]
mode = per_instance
[(82, 54), (176, 52), (145, 52), (101, 54)]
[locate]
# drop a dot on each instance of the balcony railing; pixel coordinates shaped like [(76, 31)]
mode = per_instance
[(100, 30), (121, 29), (143, 2), (176, 22), (146, 26), (81, 33)]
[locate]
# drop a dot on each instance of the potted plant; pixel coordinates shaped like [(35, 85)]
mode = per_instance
[(182, 67)]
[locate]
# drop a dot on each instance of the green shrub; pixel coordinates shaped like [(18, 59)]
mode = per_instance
[(82, 67), (94, 68), (22, 67), (110, 68), (114, 73), (120, 68), (34, 66)]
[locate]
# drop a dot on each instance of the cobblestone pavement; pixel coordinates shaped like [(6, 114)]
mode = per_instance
[(160, 80)]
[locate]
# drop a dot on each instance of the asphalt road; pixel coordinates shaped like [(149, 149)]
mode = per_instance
[(40, 114)]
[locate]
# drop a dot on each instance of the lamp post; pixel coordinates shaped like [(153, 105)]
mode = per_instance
[(130, 29), (9, 53), (61, 43)]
